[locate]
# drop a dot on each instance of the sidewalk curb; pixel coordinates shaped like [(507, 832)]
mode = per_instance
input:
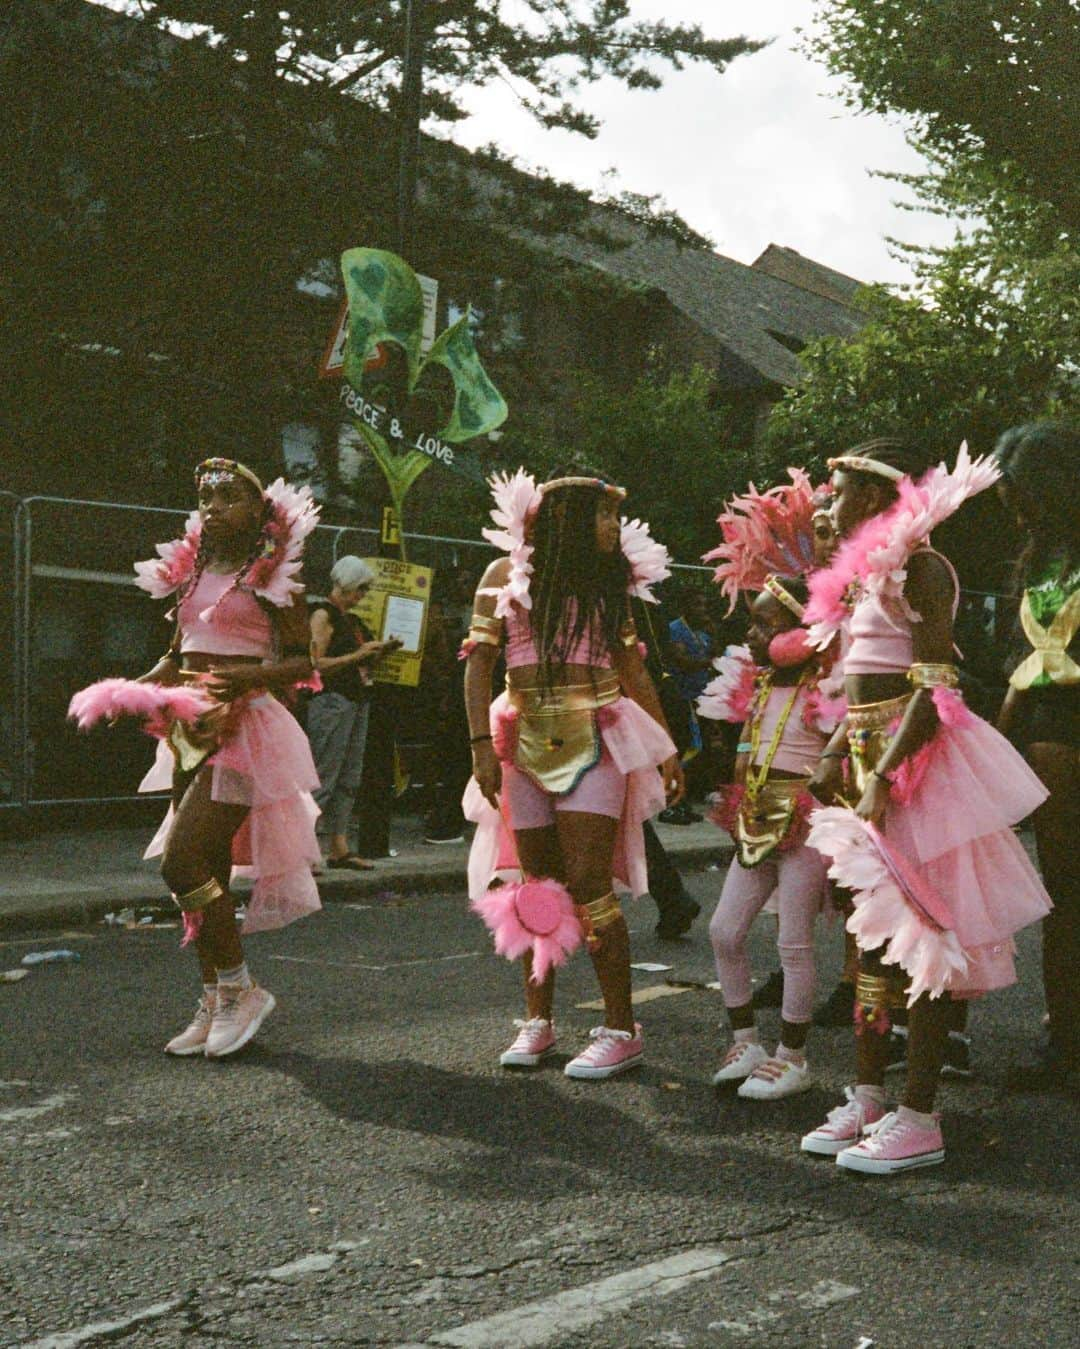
[(63, 911)]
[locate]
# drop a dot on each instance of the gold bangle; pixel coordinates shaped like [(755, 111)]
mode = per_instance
[(925, 675), (484, 638), (879, 990), (202, 896), (603, 911)]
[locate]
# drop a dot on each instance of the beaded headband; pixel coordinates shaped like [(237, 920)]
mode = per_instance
[(213, 472), (784, 596), (861, 464), (609, 487)]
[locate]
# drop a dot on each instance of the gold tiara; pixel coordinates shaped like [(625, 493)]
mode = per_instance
[(611, 488), (861, 464)]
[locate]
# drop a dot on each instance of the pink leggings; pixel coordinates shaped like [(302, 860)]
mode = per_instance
[(800, 877)]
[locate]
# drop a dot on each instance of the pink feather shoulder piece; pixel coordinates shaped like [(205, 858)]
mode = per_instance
[(729, 696), (874, 559), (273, 575)]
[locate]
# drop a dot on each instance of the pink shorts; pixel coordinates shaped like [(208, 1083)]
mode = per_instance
[(601, 791)]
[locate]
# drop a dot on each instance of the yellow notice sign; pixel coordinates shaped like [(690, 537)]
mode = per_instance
[(397, 606)]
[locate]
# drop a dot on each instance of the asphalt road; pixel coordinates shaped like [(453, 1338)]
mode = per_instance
[(366, 1174)]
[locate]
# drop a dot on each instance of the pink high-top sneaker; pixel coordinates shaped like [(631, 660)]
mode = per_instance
[(610, 1052), (535, 1040), (895, 1144)]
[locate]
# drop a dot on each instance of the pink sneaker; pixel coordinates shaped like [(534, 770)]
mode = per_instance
[(192, 1040), (240, 1012), (611, 1052), (895, 1144), (843, 1126), (535, 1040)]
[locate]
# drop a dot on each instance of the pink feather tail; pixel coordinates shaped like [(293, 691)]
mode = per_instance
[(532, 915), (156, 705), (192, 922)]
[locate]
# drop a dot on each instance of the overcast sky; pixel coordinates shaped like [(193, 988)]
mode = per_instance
[(765, 153)]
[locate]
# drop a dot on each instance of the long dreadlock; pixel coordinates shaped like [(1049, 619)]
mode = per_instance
[(578, 592)]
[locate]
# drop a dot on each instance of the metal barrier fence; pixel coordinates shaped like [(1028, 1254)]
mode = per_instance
[(70, 613)]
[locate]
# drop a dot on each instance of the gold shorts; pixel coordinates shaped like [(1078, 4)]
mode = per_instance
[(869, 736)]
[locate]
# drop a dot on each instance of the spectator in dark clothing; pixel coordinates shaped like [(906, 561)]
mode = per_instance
[(337, 715)]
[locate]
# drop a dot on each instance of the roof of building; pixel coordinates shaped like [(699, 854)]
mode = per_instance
[(789, 265), (761, 320)]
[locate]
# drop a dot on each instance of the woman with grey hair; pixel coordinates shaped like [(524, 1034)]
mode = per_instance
[(342, 650)]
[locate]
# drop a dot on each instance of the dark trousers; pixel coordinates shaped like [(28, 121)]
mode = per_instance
[(665, 883), (375, 800)]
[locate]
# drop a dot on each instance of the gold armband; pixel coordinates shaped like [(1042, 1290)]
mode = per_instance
[(597, 915), (486, 630), (929, 676)]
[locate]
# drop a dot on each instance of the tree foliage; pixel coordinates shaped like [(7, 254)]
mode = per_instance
[(990, 83)]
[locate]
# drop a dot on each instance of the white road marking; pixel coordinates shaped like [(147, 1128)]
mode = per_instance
[(552, 1318), (318, 1263), (69, 1339), (54, 1102), (649, 994), (378, 969), (825, 1293)]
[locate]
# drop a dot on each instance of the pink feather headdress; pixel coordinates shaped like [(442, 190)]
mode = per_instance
[(874, 559), (273, 576), (517, 499), (765, 533)]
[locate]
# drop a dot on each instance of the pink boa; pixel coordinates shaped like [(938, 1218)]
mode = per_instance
[(536, 915), (875, 557), (273, 576), (156, 705)]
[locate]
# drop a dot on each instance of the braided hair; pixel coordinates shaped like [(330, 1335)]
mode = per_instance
[(578, 592)]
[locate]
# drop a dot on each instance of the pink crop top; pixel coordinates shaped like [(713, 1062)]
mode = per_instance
[(238, 626), (880, 638), (521, 649), (799, 750)]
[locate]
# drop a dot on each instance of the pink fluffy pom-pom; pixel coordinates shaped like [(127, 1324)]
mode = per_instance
[(790, 648), (154, 704), (536, 915)]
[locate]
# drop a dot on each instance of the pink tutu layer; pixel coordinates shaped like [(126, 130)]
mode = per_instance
[(638, 745), (266, 765), (970, 788)]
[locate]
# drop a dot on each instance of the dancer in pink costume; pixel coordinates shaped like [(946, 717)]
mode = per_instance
[(565, 761), (773, 687), (236, 760), (940, 883)]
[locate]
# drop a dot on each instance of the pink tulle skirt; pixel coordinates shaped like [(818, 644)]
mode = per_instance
[(265, 764), (952, 814), (638, 745)]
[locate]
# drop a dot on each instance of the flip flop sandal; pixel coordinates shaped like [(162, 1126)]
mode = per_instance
[(350, 862)]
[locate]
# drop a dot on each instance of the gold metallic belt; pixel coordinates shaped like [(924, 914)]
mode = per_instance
[(869, 736), (764, 820), (540, 702), (558, 739)]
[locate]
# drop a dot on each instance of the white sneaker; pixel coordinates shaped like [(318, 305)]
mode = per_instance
[(192, 1039), (775, 1078), (240, 1012), (739, 1062)]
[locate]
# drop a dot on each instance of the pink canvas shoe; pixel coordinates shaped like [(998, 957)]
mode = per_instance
[(843, 1126), (739, 1062), (611, 1052), (192, 1040), (535, 1039), (895, 1144), (240, 1012)]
